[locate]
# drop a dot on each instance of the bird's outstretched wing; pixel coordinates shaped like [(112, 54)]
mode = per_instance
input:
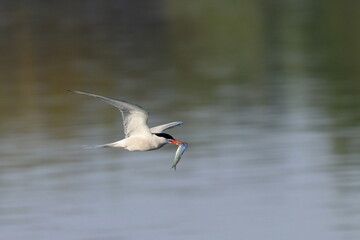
[(162, 128), (134, 116)]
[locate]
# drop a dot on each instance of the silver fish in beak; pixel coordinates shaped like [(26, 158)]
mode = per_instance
[(179, 152)]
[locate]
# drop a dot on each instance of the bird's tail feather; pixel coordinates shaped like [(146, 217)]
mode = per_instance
[(108, 145), (96, 146)]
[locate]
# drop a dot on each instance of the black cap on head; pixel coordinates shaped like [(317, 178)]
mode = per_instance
[(164, 135)]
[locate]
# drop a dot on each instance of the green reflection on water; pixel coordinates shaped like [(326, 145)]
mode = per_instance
[(179, 50)]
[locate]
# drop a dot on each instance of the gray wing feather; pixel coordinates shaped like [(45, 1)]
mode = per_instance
[(134, 116), (162, 128)]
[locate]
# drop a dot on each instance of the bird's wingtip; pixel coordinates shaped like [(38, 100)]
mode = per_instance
[(80, 92)]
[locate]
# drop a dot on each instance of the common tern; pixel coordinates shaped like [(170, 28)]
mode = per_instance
[(138, 135)]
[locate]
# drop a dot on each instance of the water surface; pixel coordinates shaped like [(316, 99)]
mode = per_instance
[(270, 105)]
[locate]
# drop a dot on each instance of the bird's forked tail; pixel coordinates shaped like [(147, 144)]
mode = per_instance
[(108, 145)]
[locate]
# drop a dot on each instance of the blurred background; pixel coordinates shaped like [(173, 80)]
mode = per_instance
[(268, 91)]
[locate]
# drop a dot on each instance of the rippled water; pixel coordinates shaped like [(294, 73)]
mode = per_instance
[(271, 115)]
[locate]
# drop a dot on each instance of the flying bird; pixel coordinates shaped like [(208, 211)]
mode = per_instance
[(138, 135)]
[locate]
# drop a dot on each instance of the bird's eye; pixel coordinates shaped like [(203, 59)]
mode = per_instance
[(164, 135)]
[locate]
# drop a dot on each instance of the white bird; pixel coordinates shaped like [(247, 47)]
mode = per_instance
[(138, 135)]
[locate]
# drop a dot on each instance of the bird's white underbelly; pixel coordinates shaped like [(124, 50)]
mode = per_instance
[(140, 144)]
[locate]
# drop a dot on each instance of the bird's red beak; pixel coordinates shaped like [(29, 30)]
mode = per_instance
[(176, 142)]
